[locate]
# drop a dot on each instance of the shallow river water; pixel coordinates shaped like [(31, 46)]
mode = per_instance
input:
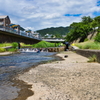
[(15, 64)]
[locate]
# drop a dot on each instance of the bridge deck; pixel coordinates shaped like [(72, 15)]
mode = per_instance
[(7, 36)]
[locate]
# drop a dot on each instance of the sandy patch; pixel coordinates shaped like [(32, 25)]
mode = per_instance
[(5, 53)]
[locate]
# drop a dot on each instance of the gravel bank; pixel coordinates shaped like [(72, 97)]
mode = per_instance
[(71, 79), (5, 53)]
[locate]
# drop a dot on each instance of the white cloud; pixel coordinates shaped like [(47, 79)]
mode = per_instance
[(38, 14)]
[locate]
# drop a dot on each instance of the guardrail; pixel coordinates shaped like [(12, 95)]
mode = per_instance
[(22, 33)]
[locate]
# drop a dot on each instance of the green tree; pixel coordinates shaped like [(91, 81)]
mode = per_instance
[(97, 38), (94, 24), (87, 20), (97, 19), (79, 30)]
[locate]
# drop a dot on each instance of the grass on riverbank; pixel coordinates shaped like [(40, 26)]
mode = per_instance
[(9, 50), (5, 44), (10, 44), (2, 50), (44, 44), (88, 45), (14, 46)]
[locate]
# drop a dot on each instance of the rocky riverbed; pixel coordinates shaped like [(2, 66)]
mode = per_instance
[(70, 79)]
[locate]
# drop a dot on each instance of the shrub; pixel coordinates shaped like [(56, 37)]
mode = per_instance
[(14, 44), (2, 49), (93, 58)]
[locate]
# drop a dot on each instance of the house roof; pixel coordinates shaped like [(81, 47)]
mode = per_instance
[(1, 17), (5, 16)]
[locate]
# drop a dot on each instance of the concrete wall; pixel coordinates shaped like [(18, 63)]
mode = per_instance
[(89, 53), (56, 49)]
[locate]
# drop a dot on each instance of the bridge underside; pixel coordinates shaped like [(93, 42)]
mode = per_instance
[(10, 37)]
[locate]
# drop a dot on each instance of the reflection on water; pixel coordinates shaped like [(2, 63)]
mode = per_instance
[(15, 64)]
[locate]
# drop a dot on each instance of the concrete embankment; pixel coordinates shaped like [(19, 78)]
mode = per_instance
[(89, 53)]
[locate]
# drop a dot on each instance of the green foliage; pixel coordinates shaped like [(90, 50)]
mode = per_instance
[(5, 44), (83, 29), (97, 37), (97, 19), (94, 24), (86, 39), (87, 20), (44, 44), (14, 44), (88, 45), (12, 50), (2, 49), (93, 58), (25, 45), (78, 30)]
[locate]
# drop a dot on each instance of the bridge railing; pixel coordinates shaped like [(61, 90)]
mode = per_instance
[(53, 39), (22, 33)]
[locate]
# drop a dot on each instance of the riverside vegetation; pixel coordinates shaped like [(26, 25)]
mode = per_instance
[(42, 44), (88, 45)]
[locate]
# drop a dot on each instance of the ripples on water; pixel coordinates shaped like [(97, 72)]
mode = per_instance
[(14, 64)]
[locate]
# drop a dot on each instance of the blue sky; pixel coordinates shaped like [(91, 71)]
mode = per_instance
[(39, 14)]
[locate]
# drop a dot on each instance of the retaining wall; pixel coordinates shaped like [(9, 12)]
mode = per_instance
[(56, 49), (89, 53)]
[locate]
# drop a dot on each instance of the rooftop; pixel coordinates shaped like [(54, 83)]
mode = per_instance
[(1, 17)]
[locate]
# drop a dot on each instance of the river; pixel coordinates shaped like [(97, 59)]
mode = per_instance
[(12, 65)]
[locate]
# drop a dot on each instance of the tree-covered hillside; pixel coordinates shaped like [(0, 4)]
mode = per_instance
[(81, 30), (57, 31)]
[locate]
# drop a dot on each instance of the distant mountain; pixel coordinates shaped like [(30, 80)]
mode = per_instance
[(58, 31)]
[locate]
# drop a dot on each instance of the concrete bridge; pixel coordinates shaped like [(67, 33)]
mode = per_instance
[(9, 35), (54, 40)]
